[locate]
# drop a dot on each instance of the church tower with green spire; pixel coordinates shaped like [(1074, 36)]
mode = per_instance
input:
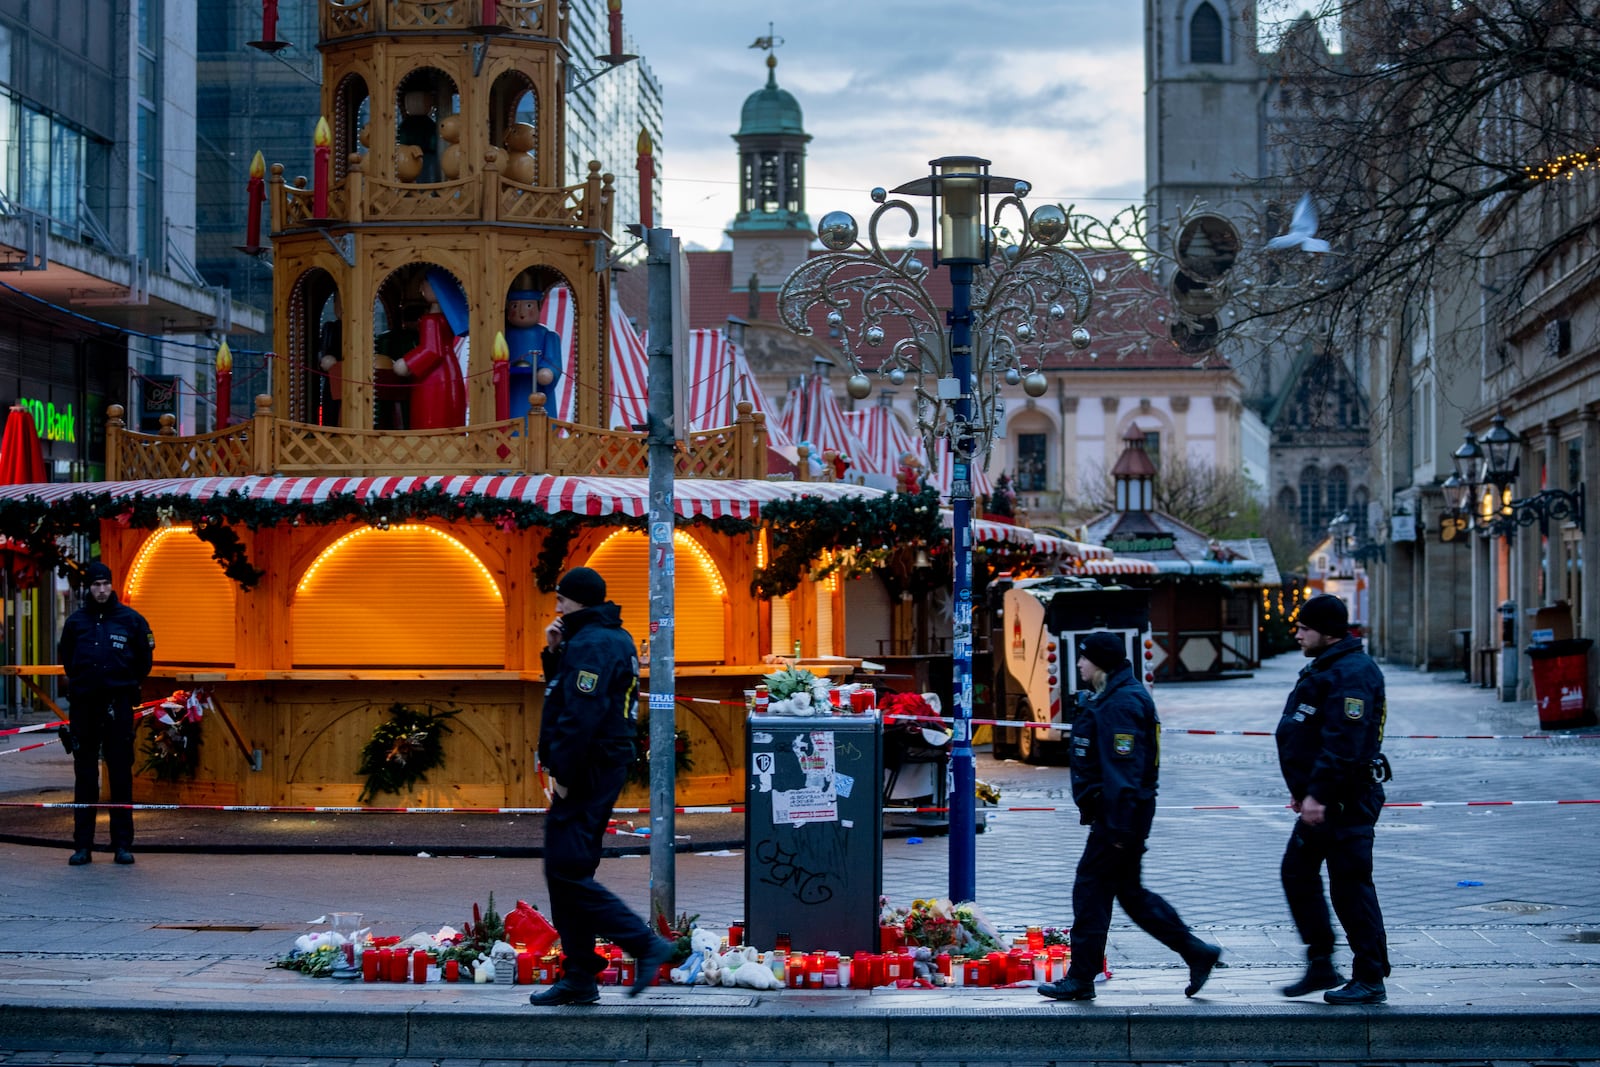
[(771, 234)]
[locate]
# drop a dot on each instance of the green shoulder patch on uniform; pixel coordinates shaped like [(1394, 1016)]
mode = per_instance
[(587, 680), (1354, 708), (1122, 744)]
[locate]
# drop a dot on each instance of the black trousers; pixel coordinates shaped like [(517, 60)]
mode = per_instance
[(1347, 850), (1107, 873), (581, 908), (102, 723)]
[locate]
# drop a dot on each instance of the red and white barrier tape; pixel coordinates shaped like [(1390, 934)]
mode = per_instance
[(738, 809), (35, 728), (24, 748)]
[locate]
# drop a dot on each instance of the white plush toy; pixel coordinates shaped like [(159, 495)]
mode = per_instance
[(703, 947), (743, 967)]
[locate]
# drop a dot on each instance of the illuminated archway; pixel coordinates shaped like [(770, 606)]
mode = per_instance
[(408, 596), (184, 596), (700, 594)]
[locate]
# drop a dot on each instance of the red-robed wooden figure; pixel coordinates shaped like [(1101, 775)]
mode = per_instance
[(438, 395)]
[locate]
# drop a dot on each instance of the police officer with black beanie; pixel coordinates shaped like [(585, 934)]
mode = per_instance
[(591, 671), (1116, 752), (106, 649), (1329, 748)]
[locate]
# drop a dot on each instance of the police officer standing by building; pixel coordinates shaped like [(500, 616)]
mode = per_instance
[(1329, 743), (1116, 753), (106, 648), (591, 670)]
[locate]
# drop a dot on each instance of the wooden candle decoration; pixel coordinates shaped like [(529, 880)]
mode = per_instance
[(256, 194), (321, 173), (224, 385)]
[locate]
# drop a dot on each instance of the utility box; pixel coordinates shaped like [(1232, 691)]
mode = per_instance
[(813, 861)]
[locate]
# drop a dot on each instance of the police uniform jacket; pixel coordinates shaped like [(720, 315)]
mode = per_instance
[(1332, 728), (1116, 752), (105, 648), (591, 685)]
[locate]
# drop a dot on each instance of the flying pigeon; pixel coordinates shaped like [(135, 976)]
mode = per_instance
[(1302, 229)]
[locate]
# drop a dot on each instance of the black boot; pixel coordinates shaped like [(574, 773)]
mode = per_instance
[(1068, 989), (1319, 975), (568, 990), (1201, 960), (1357, 992)]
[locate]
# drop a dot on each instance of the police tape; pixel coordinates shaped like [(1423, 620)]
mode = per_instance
[(737, 809), (36, 727), (25, 748)]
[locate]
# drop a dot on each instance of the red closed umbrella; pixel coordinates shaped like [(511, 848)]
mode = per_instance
[(21, 463), (21, 457)]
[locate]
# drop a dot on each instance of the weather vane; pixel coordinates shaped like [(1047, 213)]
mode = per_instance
[(769, 42)]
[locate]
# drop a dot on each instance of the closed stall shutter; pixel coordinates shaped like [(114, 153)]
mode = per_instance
[(699, 594), (184, 596)]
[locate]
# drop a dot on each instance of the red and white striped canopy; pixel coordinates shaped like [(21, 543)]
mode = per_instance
[(941, 478), (720, 377), (883, 439), (1119, 565), (812, 416), (693, 498)]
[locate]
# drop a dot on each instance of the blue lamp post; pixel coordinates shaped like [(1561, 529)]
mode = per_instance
[(1003, 301)]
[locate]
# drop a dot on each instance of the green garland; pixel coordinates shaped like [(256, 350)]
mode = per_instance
[(403, 749), (800, 529)]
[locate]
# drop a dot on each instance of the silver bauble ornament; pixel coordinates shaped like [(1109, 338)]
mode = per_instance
[(1013, 376), (1024, 332), (1011, 252), (1080, 338), (1057, 312), (1021, 189), (835, 319), (1048, 224), (859, 386), (897, 377), (874, 335), (1035, 384), (916, 268), (837, 230), (879, 194)]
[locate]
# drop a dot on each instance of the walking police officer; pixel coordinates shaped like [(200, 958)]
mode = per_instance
[(1329, 743), (591, 671), (1116, 753)]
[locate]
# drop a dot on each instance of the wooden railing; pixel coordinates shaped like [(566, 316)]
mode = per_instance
[(363, 195), (349, 18), (268, 445)]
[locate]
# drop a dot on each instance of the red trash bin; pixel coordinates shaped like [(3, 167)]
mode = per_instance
[(1561, 682)]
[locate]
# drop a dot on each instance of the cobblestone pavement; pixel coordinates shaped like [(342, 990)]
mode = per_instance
[(1489, 908)]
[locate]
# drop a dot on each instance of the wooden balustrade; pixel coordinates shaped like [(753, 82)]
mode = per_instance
[(537, 445)]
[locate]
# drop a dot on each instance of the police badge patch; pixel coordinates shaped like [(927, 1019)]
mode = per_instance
[(587, 680), (1122, 744), (1354, 708)]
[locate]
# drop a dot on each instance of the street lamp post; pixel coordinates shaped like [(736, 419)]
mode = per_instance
[(1002, 301), (1486, 468)]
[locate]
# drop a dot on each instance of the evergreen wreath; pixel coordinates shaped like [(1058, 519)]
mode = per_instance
[(172, 745), (639, 769), (403, 749)]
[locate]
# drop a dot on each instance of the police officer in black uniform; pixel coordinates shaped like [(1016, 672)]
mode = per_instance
[(1116, 752), (106, 648), (1329, 743), (591, 671)]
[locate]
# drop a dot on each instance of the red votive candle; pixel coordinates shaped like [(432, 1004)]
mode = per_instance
[(452, 970), (419, 966), (525, 968), (370, 963), (735, 935), (397, 965), (816, 969), (943, 963), (977, 972)]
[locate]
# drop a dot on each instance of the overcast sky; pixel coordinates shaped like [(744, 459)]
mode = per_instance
[(1049, 90)]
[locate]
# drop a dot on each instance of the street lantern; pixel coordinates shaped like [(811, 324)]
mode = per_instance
[(1455, 491), (1471, 464), (1502, 446), (1001, 307)]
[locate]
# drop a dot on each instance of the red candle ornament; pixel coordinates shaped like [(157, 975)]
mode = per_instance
[(614, 24), (224, 385), (646, 164), (500, 376), (321, 173), (256, 193), (269, 21)]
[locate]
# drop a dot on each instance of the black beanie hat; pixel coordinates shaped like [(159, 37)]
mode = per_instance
[(96, 572), (1105, 650), (1326, 614), (584, 585)]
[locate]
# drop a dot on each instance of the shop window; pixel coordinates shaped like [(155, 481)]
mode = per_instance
[(184, 596), (699, 594), (409, 596)]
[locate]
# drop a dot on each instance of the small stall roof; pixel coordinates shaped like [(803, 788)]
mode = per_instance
[(1120, 565)]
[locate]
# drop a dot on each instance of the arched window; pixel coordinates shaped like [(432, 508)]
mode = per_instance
[(1205, 35), (1338, 494), (1310, 503), (1286, 500)]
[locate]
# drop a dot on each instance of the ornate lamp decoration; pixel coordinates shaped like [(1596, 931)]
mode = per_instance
[(1026, 293)]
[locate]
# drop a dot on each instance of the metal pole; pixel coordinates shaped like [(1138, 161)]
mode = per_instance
[(963, 778), (660, 437)]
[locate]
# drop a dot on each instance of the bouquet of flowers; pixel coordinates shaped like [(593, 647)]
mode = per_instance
[(932, 924), (791, 680)]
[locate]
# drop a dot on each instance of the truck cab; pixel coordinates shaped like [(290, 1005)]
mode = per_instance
[(1035, 627)]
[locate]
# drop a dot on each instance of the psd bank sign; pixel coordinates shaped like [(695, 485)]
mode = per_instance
[(53, 424)]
